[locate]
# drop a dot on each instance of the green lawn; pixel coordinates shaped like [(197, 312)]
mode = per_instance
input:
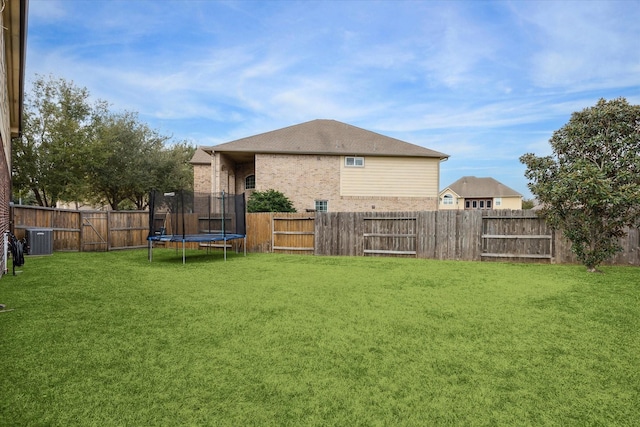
[(102, 339)]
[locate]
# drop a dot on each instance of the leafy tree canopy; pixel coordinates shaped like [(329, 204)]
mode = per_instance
[(75, 151), (57, 127), (590, 186), (269, 201)]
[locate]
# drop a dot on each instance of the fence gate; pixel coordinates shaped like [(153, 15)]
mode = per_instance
[(390, 235), (95, 231), (516, 235), (293, 235)]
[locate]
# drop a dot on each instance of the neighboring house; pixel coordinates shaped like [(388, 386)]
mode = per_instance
[(470, 192), (324, 165), (13, 39)]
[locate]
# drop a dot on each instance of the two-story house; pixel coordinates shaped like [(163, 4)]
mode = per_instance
[(470, 192), (325, 165)]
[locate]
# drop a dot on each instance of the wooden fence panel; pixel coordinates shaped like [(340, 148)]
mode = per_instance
[(444, 234), (292, 233), (456, 235), (390, 234), (128, 229), (259, 231), (64, 223), (95, 231), (426, 242), (351, 235), (67, 232), (630, 254), (85, 230), (339, 233), (516, 236)]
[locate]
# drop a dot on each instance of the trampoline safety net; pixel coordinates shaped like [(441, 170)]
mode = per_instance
[(189, 216)]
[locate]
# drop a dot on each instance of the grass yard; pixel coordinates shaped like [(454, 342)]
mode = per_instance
[(109, 339)]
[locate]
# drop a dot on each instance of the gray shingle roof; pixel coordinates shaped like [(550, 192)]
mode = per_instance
[(325, 137), (201, 157), (470, 186)]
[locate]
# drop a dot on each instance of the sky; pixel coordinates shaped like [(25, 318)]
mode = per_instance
[(482, 81)]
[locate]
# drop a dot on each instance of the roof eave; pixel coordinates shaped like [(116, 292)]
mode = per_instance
[(212, 150), (15, 54)]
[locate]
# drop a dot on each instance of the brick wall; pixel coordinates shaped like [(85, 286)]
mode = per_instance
[(5, 198), (303, 179), (202, 178), (307, 178)]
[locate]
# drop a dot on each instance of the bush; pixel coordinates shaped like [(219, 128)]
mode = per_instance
[(269, 201)]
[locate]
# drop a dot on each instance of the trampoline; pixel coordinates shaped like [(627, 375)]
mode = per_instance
[(184, 216)]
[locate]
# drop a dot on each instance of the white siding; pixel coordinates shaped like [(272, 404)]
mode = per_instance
[(391, 177)]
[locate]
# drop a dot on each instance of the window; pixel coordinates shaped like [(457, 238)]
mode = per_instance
[(357, 162), (250, 182), (478, 204), (447, 199), (321, 205), (498, 201)]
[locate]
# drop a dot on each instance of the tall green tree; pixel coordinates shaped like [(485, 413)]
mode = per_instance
[(590, 186), (75, 151), (129, 159), (49, 158), (168, 168), (123, 150)]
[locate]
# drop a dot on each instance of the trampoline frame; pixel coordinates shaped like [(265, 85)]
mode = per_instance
[(200, 238)]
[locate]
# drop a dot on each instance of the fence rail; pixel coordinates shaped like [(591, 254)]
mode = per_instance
[(447, 235)]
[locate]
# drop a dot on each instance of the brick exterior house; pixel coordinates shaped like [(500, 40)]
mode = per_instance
[(324, 165), (470, 192), (13, 41)]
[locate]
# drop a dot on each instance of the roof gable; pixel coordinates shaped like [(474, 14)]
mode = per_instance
[(470, 186), (200, 157), (326, 137)]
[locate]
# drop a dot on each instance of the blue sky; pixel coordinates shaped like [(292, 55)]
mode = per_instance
[(482, 81)]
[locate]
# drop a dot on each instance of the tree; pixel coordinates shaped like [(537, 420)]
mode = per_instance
[(130, 159), (269, 201), (528, 204), (590, 186), (49, 159)]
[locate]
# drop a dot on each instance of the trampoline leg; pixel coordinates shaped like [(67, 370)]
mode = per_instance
[(183, 254), (225, 249), (245, 246)]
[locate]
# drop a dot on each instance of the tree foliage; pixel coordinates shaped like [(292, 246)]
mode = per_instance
[(75, 151), (528, 204), (590, 186), (49, 159), (269, 201)]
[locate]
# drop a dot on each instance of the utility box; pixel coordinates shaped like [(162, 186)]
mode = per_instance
[(40, 241)]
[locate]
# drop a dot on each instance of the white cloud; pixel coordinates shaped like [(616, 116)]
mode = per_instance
[(588, 44)]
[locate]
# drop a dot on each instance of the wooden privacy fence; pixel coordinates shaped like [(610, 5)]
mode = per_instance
[(424, 234), (291, 233), (499, 235), (516, 234), (84, 230)]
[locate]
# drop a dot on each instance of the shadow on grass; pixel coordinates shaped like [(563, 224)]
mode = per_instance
[(191, 256)]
